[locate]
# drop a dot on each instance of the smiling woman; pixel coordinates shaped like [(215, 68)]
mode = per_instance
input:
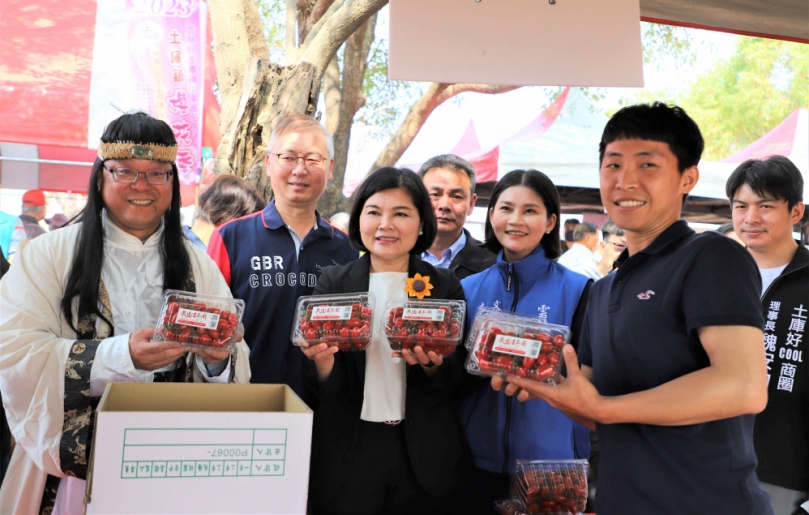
[(385, 421)]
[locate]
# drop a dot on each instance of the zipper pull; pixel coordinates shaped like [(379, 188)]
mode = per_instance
[(510, 275)]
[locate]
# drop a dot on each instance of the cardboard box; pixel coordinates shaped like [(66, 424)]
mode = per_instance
[(199, 448)]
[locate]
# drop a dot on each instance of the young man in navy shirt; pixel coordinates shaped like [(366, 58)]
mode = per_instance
[(274, 256), (766, 198), (673, 368)]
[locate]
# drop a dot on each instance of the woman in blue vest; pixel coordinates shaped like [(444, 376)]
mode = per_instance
[(522, 227)]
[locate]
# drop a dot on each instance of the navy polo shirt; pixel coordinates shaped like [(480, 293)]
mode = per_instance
[(257, 256), (640, 331)]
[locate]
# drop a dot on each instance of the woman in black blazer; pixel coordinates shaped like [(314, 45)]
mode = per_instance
[(414, 464)]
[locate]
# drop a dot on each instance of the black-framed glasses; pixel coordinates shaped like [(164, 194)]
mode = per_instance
[(619, 247), (312, 162), (128, 175)]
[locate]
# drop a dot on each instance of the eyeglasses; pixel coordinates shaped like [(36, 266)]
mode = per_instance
[(619, 247), (312, 162), (128, 176)]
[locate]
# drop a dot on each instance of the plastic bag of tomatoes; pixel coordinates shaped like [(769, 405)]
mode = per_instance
[(435, 325), (551, 486), (198, 320), (502, 343), (342, 321)]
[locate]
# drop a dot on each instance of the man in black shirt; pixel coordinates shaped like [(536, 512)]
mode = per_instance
[(672, 365), (766, 202)]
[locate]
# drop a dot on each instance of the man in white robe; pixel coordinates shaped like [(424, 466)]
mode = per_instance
[(53, 368)]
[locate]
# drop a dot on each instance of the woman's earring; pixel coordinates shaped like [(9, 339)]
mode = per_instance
[(421, 232)]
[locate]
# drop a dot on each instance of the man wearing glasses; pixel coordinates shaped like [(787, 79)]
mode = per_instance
[(79, 310), (611, 247), (274, 256)]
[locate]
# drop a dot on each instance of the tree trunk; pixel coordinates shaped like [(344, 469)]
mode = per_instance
[(355, 63), (332, 95), (234, 23), (263, 93)]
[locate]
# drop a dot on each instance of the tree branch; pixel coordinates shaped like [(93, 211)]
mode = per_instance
[(313, 14), (290, 31), (323, 42), (315, 28), (435, 95)]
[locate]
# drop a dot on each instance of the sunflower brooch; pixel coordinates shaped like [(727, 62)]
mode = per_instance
[(418, 286)]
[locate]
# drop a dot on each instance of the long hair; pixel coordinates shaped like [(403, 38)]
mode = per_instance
[(545, 189), (85, 271)]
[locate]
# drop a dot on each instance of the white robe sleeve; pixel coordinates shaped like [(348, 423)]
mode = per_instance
[(35, 343)]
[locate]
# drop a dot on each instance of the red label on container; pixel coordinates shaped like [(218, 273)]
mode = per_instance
[(331, 313), (429, 315), (197, 318), (516, 346)]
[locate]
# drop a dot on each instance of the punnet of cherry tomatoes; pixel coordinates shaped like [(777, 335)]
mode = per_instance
[(510, 507), (557, 487), (502, 343), (342, 321), (435, 325), (198, 320)]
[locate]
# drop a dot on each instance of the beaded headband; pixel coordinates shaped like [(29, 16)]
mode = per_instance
[(131, 150)]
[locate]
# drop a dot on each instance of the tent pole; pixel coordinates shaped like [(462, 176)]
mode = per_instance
[(44, 161)]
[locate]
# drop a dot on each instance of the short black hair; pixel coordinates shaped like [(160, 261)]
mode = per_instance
[(451, 162), (389, 178), (545, 189), (572, 222), (776, 176), (656, 122)]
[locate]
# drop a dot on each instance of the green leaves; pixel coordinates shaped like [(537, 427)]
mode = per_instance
[(743, 97)]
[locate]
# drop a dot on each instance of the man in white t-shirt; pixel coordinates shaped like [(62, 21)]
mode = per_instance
[(766, 202)]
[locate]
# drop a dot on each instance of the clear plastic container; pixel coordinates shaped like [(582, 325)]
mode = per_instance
[(551, 486), (435, 325), (510, 507), (502, 343), (342, 321), (198, 320)]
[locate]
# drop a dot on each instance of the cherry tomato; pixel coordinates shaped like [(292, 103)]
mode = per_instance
[(545, 371)]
